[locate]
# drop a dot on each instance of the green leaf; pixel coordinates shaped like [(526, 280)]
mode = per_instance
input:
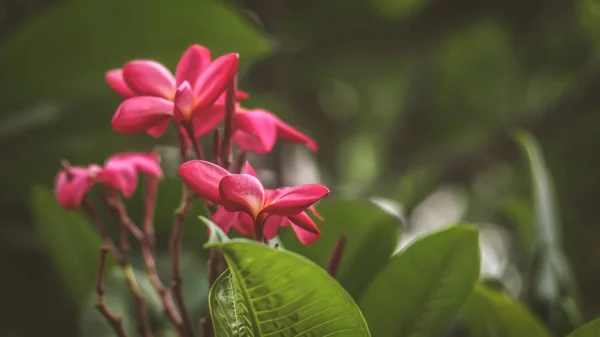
[(367, 228), (67, 48), (591, 329), (71, 242), (489, 313), (273, 292), (423, 286), (554, 277), (216, 233)]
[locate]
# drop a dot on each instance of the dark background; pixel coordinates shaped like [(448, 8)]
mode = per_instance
[(406, 98)]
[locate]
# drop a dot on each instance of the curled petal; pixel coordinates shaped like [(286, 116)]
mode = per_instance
[(313, 210), (288, 133), (211, 84), (272, 225), (121, 176), (149, 78), (259, 123), (247, 169), (295, 199), (206, 119), (159, 129), (147, 163), (195, 59), (203, 177), (70, 188), (184, 99), (242, 192), (141, 113), (241, 95), (115, 80), (239, 221), (305, 229)]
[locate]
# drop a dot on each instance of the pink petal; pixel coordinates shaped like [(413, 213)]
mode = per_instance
[(71, 188), (184, 99), (259, 123), (115, 80), (214, 79), (149, 78), (296, 199), (224, 219), (313, 210), (147, 163), (121, 176), (305, 229), (247, 169), (141, 113), (288, 133), (203, 177), (242, 192), (272, 225), (244, 224), (205, 120), (241, 95), (248, 142), (195, 59), (159, 129)]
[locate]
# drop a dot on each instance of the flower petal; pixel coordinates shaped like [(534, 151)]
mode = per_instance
[(214, 79), (159, 129), (147, 163), (70, 188), (272, 225), (203, 177), (141, 113), (115, 80), (288, 133), (259, 123), (184, 99), (149, 78), (242, 192), (296, 199), (244, 224), (121, 176), (241, 95), (313, 210), (224, 219), (206, 119), (248, 142), (247, 169), (305, 229), (193, 61)]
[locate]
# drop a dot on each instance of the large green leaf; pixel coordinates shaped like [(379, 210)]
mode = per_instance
[(423, 286), (367, 228), (65, 50), (272, 292), (489, 313), (591, 329), (71, 242)]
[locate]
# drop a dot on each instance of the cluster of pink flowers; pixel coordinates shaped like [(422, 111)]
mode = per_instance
[(197, 100)]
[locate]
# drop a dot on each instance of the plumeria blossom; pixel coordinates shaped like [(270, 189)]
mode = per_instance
[(154, 96), (248, 206), (120, 172)]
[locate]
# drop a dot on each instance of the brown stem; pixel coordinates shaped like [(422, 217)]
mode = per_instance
[(195, 143), (114, 203), (228, 132), (240, 159), (124, 242), (336, 256), (114, 320), (151, 192), (217, 146)]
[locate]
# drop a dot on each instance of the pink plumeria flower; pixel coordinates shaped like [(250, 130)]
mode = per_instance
[(120, 172), (154, 96), (247, 206)]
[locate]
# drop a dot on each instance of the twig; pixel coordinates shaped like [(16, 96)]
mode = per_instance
[(217, 146), (113, 202), (151, 192), (336, 256), (240, 159), (228, 132), (114, 320), (195, 143)]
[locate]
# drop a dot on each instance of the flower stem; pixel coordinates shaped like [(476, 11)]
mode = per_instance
[(228, 132), (217, 146), (240, 159), (114, 320), (150, 207), (336, 256)]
